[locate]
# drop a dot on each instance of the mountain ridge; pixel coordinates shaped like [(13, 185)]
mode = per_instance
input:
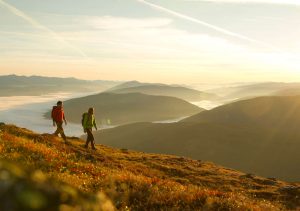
[(259, 135), (266, 111), (128, 108), (184, 93), (14, 85)]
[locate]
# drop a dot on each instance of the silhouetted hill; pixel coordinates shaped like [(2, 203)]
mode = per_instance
[(129, 180), (273, 112), (13, 85), (259, 136), (288, 92), (253, 90), (129, 108), (130, 84), (166, 90)]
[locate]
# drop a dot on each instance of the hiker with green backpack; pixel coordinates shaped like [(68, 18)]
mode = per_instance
[(88, 122)]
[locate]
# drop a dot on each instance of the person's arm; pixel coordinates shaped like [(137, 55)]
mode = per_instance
[(52, 116), (95, 124), (84, 120), (65, 120)]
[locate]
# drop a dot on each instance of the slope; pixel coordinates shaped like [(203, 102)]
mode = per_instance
[(288, 92), (29, 189), (135, 181), (259, 136), (282, 112)]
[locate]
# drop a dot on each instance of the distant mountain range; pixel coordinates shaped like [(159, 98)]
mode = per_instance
[(130, 84), (118, 109), (259, 135), (289, 92), (13, 85), (163, 90), (254, 90)]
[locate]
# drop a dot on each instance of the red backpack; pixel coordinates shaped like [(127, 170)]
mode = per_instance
[(57, 114)]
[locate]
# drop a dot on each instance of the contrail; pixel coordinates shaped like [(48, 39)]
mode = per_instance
[(216, 28), (37, 25)]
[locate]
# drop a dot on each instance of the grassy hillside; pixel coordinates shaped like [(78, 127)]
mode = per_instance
[(128, 108), (13, 85), (137, 181), (173, 91), (30, 189), (259, 136)]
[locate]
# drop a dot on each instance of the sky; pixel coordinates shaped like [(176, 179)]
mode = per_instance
[(167, 41)]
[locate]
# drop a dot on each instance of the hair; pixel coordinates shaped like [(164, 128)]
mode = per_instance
[(59, 103), (91, 109)]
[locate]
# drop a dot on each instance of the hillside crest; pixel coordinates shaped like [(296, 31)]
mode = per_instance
[(137, 180)]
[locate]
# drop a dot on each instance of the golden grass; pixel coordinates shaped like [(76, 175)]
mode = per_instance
[(140, 181)]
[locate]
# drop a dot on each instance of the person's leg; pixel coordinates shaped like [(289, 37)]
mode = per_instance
[(87, 143), (57, 129), (62, 133), (92, 140), (60, 130), (88, 139)]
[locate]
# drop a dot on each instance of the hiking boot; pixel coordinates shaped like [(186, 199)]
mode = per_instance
[(85, 146), (94, 148)]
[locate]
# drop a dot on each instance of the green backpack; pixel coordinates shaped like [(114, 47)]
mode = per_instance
[(82, 119)]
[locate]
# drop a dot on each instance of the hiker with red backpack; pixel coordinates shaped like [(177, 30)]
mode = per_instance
[(88, 122), (58, 117)]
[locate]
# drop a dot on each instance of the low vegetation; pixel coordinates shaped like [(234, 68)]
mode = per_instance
[(127, 180)]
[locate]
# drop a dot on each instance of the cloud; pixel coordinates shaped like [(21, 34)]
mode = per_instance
[(157, 42), (40, 26), (109, 22), (137, 48), (289, 2), (166, 48), (141, 37), (203, 23), (149, 41)]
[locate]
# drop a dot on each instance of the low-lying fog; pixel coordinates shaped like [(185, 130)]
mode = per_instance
[(28, 112)]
